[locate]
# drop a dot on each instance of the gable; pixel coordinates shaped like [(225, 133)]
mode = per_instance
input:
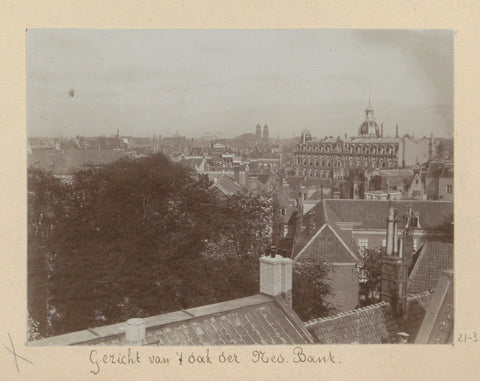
[(325, 246)]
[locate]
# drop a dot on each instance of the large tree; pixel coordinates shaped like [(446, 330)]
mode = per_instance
[(141, 237), (137, 238)]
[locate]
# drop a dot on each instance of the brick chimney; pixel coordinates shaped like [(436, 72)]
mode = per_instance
[(394, 273), (276, 276)]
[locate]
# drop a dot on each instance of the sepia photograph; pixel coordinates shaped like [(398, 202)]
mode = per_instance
[(204, 187)]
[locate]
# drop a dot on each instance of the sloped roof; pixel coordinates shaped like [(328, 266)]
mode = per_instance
[(434, 258), (254, 320), (315, 219), (228, 186), (435, 168), (372, 214), (373, 324), (437, 326), (326, 246), (447, 172)]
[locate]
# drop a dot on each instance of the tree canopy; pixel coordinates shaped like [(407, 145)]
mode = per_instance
[(137, 237)]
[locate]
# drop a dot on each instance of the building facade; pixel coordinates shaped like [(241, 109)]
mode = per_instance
[(334, 158)]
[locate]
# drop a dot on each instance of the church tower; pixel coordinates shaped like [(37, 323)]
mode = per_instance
[(258, 131), (265, 132)]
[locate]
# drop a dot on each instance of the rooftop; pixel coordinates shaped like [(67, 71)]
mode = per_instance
[(434, 258), (374, 324), (228, 186), (253, 320), (369, 214)]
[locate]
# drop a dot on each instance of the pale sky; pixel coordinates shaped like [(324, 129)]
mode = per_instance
[(196, 81)]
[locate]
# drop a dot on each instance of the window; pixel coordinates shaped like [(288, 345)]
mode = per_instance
[(449, 188), (362, 244)]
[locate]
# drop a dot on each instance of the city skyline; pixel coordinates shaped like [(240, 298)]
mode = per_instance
[(145, 82)]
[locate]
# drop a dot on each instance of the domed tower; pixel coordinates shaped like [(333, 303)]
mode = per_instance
[(369, 128)]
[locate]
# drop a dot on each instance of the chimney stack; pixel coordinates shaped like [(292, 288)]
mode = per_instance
[(394, 271), (395, 233), (276, 276), (236, 171), (381, 134), (396, 131), (390, 229), (135, 331)]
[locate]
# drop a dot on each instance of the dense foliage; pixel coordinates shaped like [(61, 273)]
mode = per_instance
[(371, 274), (309, 290), (137, 238)]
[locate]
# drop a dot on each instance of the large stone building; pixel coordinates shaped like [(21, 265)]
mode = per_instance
[(334, 158)]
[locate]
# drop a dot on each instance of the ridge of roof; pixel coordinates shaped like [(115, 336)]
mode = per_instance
[(156, 321), (357, 311), (362, 310)]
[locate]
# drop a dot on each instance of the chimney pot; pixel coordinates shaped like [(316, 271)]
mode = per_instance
[(135, 330), (402, 337)]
